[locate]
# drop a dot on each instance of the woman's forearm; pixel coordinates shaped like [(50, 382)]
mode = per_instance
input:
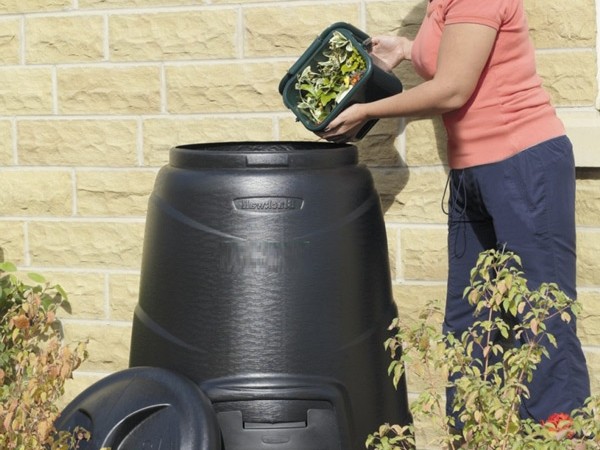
[(429, 98)]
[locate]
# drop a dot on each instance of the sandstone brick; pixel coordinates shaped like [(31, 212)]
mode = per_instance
[(426, 142), (6, 143), (64, 39), (389, 182), (86, 244), (225, 88), (108, 345), (12, 242), (10, 41), (204, 34), (124, 293), (593, 363), (424, 254), (411, 299), (583, 129), (559, 24), (36, 193), (289, 30), (588, 324), (85, 291), (413, 196), (114, 193), (113, 90), (395, 17), (20, 6), (382, 146), (135, 3), (588, 200), (25, 90), (588, 249), (111, 143), (241, 2), (162, 134), (569, 77)]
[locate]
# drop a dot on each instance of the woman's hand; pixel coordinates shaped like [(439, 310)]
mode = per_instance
[(389, 51), (346, 125)]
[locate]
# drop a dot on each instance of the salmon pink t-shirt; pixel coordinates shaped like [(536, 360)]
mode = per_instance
[(509, 110)]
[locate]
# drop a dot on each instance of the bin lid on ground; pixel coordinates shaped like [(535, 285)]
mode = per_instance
[(142, 408)]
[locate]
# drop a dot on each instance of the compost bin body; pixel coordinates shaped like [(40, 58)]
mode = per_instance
[(268, 261)]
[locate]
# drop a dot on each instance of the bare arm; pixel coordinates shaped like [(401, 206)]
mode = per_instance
[(464, 51)]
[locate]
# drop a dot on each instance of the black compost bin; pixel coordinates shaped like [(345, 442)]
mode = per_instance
[(265, 281)]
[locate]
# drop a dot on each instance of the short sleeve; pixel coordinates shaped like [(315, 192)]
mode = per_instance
[(484, 12)]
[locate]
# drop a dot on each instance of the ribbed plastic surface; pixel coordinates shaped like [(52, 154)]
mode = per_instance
[(269, 261)]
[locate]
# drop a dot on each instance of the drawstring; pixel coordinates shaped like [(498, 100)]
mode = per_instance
[(454, 214), (445, 191), (454, 191)]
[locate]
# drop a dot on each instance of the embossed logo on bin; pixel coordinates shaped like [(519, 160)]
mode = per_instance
[(268, 204), (263, 256)]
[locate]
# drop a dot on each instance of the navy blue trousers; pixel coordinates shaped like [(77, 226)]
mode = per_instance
[(526, 204)]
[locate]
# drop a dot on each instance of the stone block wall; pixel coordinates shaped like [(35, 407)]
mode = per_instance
[(93, 93)]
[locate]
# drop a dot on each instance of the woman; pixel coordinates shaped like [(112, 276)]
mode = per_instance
[(512, 177)]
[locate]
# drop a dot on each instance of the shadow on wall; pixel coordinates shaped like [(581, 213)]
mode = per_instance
[(380, 148)]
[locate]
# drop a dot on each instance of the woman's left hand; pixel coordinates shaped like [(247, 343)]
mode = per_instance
[(346, 125)]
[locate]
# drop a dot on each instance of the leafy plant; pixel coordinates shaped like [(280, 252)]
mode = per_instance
[(489, 389), (34, 363), (323, 86)]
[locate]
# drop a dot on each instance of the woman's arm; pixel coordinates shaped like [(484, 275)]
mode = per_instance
[(464, 50)]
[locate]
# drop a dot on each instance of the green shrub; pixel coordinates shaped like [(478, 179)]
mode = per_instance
[(489, 390), (34, 363)]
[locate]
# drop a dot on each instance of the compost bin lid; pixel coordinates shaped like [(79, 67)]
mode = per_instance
[(292, 154), (143, 407)]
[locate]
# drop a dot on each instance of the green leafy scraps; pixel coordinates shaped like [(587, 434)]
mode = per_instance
[(322, 87)]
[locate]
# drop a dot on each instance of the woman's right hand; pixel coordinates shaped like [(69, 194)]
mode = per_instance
[(389, 51)]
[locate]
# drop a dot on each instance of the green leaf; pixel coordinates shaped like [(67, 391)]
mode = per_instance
[(7, 267), (36, 277)]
